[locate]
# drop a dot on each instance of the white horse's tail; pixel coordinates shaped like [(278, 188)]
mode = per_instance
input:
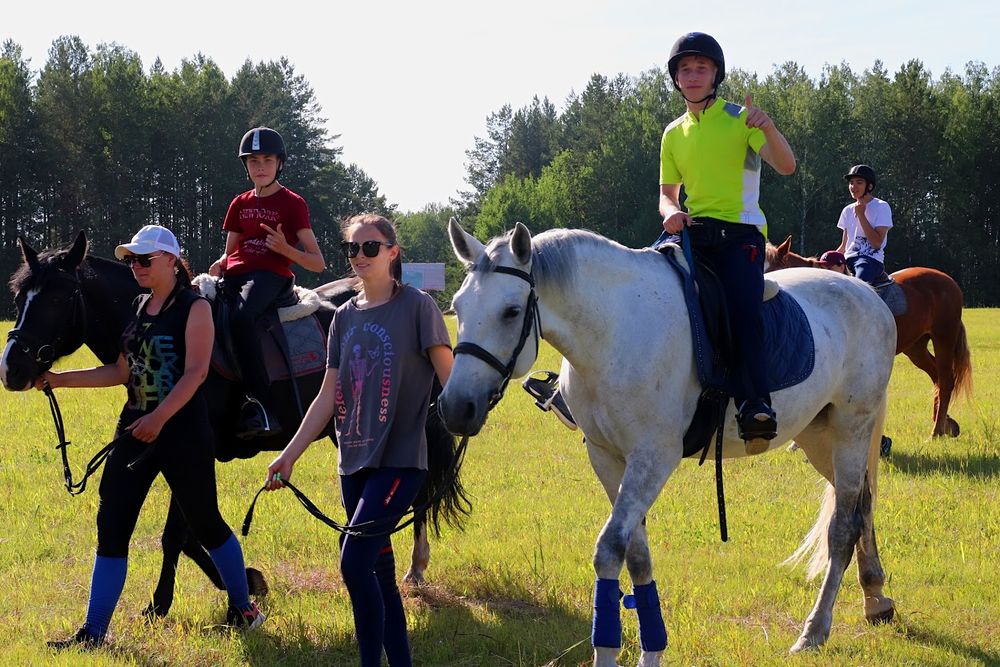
[(815, 545)]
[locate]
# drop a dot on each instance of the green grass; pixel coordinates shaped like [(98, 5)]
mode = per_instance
[(515, 587)]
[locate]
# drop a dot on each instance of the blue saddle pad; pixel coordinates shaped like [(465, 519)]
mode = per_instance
[(788, 342)]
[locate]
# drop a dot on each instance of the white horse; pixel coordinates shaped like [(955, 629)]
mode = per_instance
[(619, 319)]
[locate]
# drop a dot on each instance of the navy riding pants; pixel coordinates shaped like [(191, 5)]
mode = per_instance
[(735, 252), (367, 564)]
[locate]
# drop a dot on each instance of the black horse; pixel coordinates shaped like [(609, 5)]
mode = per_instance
[(66, 299)]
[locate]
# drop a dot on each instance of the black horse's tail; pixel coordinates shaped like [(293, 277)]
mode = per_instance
[(444, 480)]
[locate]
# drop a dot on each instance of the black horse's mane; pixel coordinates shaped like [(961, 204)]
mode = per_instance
[(49, 264)]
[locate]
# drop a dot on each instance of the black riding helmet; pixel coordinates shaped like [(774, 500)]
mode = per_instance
[(862, 171), (697, 44), (266, 141)]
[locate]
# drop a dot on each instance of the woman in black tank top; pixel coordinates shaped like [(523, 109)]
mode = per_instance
[(165, 353)]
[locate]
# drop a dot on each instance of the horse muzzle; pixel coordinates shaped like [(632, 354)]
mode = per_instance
[(15, 373), (461, 413)]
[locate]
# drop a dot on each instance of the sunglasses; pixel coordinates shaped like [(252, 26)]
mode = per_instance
[(369, 248), (145, 261)]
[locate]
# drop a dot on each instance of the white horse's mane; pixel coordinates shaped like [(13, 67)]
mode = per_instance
[(555, 253)]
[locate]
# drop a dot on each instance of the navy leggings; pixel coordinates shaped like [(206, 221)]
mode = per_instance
[(367, 564), (735, 252)]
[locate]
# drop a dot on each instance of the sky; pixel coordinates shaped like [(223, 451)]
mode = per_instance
[(407, 86)]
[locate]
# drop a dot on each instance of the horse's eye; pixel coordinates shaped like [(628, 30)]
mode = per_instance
[(511, 312)]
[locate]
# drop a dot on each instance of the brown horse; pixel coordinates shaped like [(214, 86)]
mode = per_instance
[(933, 314)]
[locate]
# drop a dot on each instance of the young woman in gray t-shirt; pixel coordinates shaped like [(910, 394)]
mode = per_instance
[(385, 346)]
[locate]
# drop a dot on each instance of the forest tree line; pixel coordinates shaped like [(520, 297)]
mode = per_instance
[(93, 141), (935, 145)]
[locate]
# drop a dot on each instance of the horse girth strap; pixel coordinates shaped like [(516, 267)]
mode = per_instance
[(372, 528)]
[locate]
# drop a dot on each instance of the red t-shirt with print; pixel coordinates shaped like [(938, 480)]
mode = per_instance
[(246, 212)]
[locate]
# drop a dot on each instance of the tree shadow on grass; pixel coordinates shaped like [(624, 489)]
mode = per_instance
[(451, 630), (913, 631), (974, 466)]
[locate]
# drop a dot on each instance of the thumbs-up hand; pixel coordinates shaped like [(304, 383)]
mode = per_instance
[(755, 116)]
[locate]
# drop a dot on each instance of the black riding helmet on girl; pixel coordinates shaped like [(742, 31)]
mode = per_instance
[(263, 141), (862, 171), (697, 44)]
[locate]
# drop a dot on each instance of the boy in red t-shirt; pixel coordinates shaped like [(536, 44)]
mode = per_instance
[(264, 227)]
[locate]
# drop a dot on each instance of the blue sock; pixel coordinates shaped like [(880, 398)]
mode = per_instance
[(607, 628), (228, 560), (652, 631), (106, 584)]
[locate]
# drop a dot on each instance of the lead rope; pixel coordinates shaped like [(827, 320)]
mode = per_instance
[(367, 528)]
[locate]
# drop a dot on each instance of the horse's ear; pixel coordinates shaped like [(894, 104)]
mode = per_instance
[(467, 247), (520, 243), (76, 254), (785, 246), (29, 254)]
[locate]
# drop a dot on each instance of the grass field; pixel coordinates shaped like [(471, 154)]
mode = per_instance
[(514, 588)]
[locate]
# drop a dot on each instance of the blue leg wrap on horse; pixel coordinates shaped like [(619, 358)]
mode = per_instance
[(652, 632), (228, 559), (607, 629), (106, 584)]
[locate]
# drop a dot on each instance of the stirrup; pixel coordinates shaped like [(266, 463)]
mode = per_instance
[(548, 398), (756, 425), (255, 421)]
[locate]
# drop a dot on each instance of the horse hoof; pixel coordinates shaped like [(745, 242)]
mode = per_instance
[(413, 579), (953, 428), (805, 644), (154, 611), (882, 617), (256, 583), (885, 447)]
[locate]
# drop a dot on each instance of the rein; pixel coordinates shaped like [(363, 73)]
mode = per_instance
[(72, 487), (368, 528)]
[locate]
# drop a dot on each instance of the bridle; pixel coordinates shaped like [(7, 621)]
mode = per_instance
[(531, 317), (45, 353)]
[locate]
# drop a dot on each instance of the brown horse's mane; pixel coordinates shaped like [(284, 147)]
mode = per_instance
[(782, 257)]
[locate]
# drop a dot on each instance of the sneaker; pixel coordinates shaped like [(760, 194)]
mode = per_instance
[(547, 396), (756, 421), (82, 639), (247, 619), (255, 422)]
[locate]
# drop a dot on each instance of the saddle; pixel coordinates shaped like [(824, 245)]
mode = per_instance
[(292, 339), (788, 342), (891, 293)]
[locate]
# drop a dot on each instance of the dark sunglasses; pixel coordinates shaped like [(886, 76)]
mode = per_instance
[(145, 261), (369, 248)]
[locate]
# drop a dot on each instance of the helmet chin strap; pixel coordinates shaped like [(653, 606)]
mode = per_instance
[(273, 180), (706, 99)]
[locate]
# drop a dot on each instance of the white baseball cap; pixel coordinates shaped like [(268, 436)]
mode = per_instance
[(148, 240)]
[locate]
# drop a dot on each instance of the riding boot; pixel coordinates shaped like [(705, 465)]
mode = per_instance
[(757, 425)]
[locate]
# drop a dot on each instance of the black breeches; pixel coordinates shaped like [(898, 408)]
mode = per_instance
[(184, 453), (260, 290)]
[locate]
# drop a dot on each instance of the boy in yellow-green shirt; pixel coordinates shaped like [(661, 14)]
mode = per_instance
[(714, 151)]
